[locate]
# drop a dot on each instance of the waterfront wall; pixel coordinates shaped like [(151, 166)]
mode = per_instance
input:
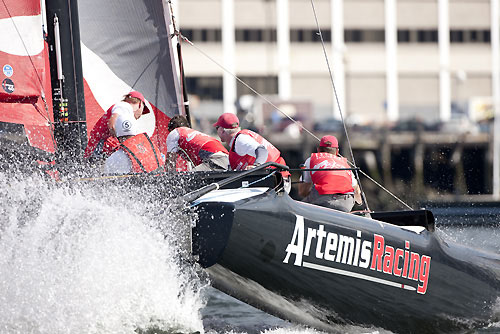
[(416, 166)]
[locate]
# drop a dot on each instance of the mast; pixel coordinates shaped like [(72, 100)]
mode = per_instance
[(495, 87), (185, 97), (176, 33), (67, 79)]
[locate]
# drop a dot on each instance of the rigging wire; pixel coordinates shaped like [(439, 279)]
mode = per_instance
[(47, 117), (247, 86), (338, 105), (184, 38), (54, 142), (343, 122), (184, 153)]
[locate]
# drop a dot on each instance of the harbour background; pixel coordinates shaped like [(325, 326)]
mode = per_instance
[(420, 167), (87, 260), (417, 92)]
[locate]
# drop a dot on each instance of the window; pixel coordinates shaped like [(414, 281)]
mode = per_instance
[(210, 88), (350, 35), (207, 88), (269, 35), (327, 35), (373, 36), (202, 35), (427, 36), (255, 35), (296, 35), (487, 36), (263, 85), (456, 36), (188, 33), (403, 36)]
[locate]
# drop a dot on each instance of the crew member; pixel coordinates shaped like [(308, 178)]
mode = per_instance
[(336, 189), (136, 153), (203, 151), (102, 140), (247, 149)]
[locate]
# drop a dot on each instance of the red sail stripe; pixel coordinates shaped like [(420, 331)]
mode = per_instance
[(24, 104), (40, 137), (93, 110), (21, 113), (161, 130), (19, 8), (26, 76)]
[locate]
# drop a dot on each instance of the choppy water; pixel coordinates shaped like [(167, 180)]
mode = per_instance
[(79, 259)]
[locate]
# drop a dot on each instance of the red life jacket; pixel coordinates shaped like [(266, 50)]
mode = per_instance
[(332, 181), (100, 132), (192, 141), (239, 162), (182, 165), (143, 153)]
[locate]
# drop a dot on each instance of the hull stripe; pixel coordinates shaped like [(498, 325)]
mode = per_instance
[(357, 275)]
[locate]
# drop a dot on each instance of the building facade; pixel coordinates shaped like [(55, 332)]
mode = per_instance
[(392, 60)]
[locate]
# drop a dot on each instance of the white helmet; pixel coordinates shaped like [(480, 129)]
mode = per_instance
[(126, 125)]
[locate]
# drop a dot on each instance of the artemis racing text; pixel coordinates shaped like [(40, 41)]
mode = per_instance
[(373, 254)]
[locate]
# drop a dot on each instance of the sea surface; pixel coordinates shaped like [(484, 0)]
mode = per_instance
[(76, 258)]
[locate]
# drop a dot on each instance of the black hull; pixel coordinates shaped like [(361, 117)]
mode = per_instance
[(456, 287)]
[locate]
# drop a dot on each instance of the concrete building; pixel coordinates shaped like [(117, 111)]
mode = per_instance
[(392, 59)]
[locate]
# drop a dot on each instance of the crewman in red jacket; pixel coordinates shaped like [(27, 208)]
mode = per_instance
[(102, 140), (247, 149), (136, 153), (201, 150), (336, 189)]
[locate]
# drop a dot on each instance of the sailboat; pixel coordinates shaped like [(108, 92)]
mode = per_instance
[(311, 265), (320, 267), (65, 63)]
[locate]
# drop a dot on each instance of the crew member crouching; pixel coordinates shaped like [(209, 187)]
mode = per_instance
[(247, 148), (336, 189), (102, 140), (136, 153), (204, 152)]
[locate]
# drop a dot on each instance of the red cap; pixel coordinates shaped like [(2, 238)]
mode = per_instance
[(329, 141), (228, 121), (139, 96)]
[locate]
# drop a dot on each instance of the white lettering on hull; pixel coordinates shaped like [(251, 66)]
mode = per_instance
[(373, 255)]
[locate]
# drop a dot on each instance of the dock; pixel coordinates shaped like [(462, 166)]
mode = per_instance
[(416, 166)]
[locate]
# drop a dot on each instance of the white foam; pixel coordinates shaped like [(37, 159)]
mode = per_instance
[(71, 263)]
